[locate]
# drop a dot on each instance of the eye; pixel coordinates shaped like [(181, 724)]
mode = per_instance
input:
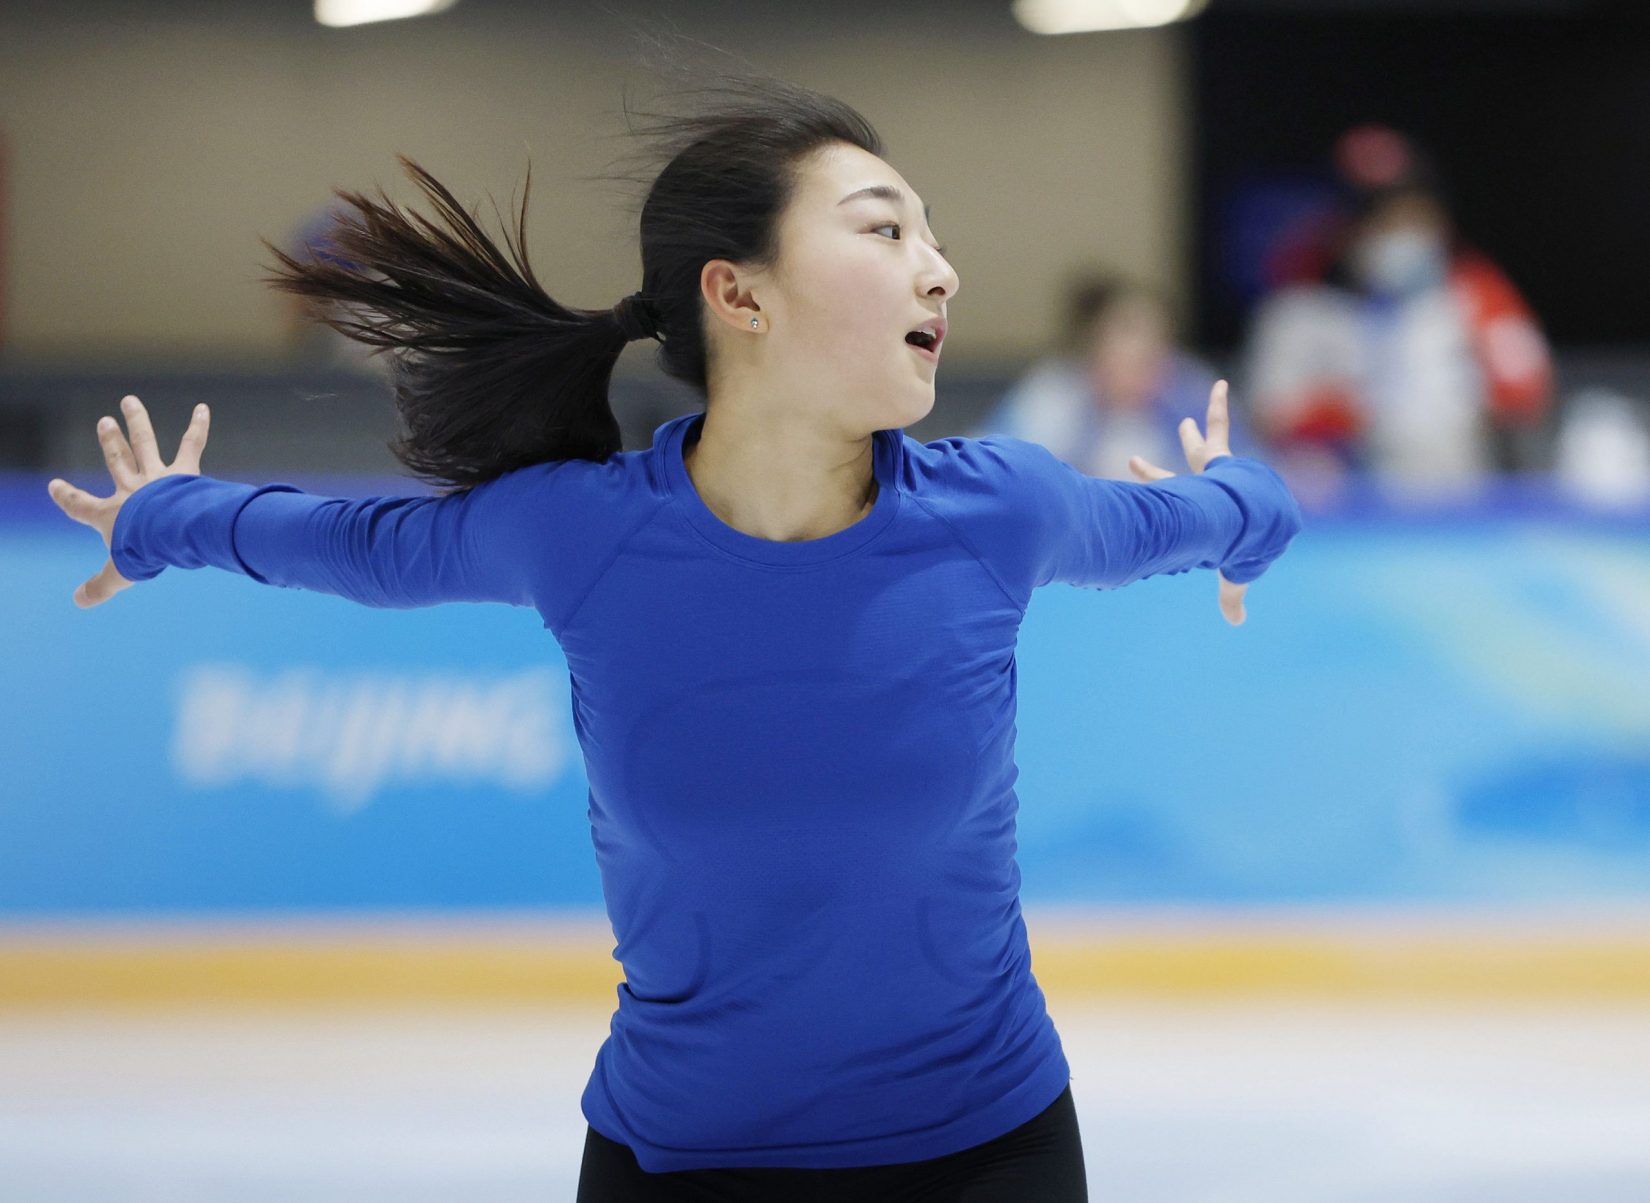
[(894, 225)]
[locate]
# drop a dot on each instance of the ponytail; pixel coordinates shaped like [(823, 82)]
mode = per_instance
[(490, 373)]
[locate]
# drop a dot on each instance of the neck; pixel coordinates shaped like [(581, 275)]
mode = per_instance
[(779, 480)]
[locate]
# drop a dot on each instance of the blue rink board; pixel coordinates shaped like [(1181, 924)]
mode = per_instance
[(1451, 708)]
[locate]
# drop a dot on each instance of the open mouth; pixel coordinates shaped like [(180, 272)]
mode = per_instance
[(923, 344)]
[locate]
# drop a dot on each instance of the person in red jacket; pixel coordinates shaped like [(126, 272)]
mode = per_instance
[(1414, 357)]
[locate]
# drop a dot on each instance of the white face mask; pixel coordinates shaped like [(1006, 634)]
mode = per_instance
[(1400, 261)]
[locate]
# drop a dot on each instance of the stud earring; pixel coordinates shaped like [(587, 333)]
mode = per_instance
[(755, 322)]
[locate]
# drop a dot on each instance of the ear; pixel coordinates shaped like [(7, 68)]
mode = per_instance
[(727, 289)]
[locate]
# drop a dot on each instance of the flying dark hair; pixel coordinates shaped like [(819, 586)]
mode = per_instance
[(490, 372)]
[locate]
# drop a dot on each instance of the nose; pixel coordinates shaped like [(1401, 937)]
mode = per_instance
[(945, 283)]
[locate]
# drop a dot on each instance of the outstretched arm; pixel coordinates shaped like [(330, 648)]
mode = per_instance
[(1233, 513), (1202, 451), (394, 552)]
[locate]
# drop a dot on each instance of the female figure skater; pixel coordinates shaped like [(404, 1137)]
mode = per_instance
[(790, 630)]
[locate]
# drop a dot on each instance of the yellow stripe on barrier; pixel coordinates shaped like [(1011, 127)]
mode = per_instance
[(282, 972), (1324, 967), (37, 973)]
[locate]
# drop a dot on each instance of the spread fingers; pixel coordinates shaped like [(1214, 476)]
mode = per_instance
[(117, 455), (144, 447), (1190, 439), (193, 441), (76, 503), (1146, 470), (101, 587), (1219, 419)]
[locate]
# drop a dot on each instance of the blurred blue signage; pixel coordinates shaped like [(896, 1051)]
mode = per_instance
[(1415, 711)]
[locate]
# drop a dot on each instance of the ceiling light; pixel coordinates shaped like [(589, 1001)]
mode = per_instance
[(1087, 16), (362, 12)]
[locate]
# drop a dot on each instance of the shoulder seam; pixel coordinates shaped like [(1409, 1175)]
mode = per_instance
[(969, 548), (612, 559)]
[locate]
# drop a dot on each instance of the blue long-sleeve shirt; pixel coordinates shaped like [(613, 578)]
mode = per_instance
[(800, 756)]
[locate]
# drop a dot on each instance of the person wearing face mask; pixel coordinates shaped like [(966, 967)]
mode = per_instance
[(1415, 358), (1118, 387)]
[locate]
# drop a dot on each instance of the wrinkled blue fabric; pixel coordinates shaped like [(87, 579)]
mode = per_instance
[(800, 756)]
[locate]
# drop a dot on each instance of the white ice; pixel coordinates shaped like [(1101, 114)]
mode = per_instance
[(1179, 1102)]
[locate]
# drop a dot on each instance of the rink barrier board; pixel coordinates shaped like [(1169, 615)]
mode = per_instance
[(1443, 710), (295, 970)]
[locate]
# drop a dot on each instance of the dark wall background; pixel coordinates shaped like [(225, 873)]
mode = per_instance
[(1539, 122)]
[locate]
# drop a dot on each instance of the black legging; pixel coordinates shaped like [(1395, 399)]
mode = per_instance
[(1040, 1160)]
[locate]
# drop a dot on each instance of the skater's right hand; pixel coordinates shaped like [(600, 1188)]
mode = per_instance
[(132, 466), (1200, 449)]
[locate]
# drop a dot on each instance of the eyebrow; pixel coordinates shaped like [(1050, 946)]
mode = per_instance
[(884, 192), (891, 193)]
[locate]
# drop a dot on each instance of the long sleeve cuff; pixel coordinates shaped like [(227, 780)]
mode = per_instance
[(182, 521), (1271, 515)]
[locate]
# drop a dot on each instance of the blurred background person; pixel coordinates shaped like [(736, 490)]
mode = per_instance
[(1414, 357), (1601, 452), (1118, 385), (310, 342)]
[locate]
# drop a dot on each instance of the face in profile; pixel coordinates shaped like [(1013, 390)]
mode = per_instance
[(859, 269)]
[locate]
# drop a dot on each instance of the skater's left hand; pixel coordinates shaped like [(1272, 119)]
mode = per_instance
[(1199, 451), (131, 465)]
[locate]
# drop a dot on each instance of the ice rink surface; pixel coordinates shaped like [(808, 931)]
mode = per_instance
[(1260, 1101)]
